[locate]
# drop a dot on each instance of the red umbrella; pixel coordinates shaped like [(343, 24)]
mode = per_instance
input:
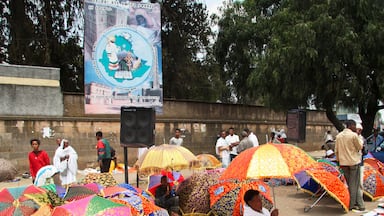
[(13, 201)]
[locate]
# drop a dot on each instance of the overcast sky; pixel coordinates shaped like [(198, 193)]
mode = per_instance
[(212, 5)]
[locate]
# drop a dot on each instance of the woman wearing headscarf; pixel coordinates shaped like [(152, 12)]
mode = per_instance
[(66, 158)]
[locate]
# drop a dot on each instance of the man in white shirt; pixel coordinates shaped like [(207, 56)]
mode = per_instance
[(222, 149), (254, 206), (252, 137), (176, 140), (233, 140)]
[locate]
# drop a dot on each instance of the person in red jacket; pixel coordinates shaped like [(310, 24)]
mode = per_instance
[(37, 158)]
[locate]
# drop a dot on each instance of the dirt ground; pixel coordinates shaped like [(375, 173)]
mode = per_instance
[(289, 200)]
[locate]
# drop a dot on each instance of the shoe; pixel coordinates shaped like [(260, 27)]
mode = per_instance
[(359, 210)]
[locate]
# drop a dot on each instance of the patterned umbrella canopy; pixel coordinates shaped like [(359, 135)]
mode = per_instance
[(193, 192), (166, 157), (332, 184), (174, 179), (139, 204), (13, 201), (373, 181), (268, 161), (307, 184), (208, 161), (227, 197), (373, 162), (78, 192), (92, 205)]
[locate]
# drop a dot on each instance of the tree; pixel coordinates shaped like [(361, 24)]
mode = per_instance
[(185, 38), (47, 33), (3, 24), (322, 52)]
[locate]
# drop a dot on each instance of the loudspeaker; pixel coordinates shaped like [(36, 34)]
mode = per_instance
[(137, 126), (296, 125)]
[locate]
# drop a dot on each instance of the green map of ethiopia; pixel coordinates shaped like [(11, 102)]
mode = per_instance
[(124, 57)]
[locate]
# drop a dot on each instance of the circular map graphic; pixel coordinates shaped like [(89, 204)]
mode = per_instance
[(123, 57)]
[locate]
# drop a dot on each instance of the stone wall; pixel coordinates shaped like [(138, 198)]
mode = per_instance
[(199, 121)]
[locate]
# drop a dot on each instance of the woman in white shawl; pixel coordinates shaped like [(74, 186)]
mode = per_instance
[(65, 160)]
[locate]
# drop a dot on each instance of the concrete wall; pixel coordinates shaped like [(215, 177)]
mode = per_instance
[(29, 90)]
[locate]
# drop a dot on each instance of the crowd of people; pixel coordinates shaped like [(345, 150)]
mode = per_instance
[(229, 145)]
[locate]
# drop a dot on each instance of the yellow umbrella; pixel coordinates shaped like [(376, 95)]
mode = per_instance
[(208, 161), (166, 156)]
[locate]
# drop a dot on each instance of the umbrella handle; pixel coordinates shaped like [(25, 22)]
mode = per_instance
[(274, 198)]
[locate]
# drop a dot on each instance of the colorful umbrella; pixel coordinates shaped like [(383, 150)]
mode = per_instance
[(91, 205), (78, 192), (373, 181), (268, 161), (193, 192), (227, 197), (174, 179), (307, 184), (112, 190), (166, 157), (138, 203), (373, 162), (332, 185), (13, 201), (208, 161)]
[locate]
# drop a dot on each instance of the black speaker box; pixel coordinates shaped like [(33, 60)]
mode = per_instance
[(137, 127)]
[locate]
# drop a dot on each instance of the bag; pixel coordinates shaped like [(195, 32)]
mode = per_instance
[(113, 152)]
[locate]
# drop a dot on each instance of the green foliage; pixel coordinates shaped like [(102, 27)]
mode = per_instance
[(47, 33), (185, 36), (323, 52)]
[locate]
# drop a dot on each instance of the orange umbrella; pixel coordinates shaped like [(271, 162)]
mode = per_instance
[(268, 161), (208, 161), (332, 184)]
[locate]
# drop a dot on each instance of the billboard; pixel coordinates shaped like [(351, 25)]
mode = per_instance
[(122, 56)]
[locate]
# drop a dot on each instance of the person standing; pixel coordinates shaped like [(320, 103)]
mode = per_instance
[(252, 137), (348, 153), (68, 163), (176, 140), (103, 152), (245, 143), (233, 140), (56, 157), (376, 139), (364, 151), (37, 158), (222, 149)]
